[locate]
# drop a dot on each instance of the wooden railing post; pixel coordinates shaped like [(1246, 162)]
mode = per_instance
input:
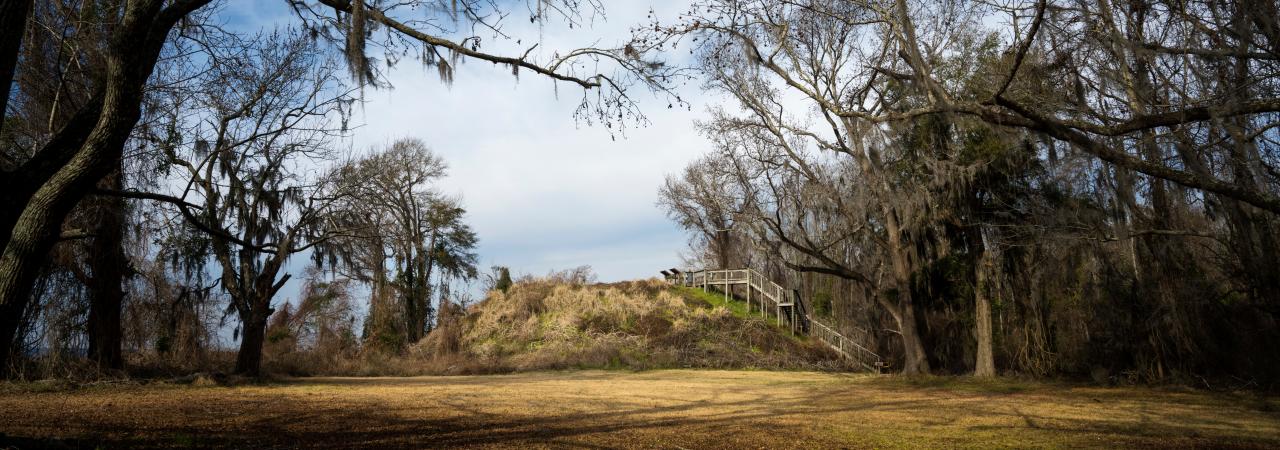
[(792, 317)]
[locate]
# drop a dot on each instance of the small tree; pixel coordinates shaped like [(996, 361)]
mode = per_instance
[(501, 278)]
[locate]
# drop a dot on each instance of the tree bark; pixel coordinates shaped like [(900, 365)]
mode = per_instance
[(985, 363), (916, 361), (409, 292), (252, 336), (109, 267), (254, 306), (37, 226), (425, 266), (134, 50)]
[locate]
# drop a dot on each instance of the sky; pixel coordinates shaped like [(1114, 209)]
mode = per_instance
[(543, 191)]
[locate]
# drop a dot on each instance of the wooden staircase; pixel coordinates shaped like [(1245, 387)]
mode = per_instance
[(785, 305)]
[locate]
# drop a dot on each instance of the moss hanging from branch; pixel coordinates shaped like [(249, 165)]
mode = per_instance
[(357, 63)]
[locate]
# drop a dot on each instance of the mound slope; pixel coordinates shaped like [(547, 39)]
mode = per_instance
[(638, 325)]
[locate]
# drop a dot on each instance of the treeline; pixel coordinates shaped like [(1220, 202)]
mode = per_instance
[(1080, 188), (163, 165), (235, 171)]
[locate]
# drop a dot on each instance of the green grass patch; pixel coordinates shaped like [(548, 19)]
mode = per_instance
[(737, 306), (733, 304)]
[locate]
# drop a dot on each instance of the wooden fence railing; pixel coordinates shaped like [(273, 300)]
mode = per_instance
[(786, 306)]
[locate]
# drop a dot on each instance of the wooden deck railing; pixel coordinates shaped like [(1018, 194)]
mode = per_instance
[(773, 294)]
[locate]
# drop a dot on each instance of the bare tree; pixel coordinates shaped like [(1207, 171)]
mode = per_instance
[(44, 185), (933, 150), (259, 118), (698, 201), (901, 42)]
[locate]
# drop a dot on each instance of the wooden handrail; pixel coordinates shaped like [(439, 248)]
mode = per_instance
[(776, 294)]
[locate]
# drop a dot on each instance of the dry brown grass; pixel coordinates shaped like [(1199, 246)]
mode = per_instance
[(662, 409)]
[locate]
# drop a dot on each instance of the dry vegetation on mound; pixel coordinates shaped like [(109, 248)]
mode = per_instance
[(545, 324), (540, 324)]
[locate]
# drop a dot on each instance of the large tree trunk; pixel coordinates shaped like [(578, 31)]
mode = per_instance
[(418, 288), (384, 321), (412, 304), (916, 361), (109, 267), (255, 307), (425, 266), (985, 363), (721, 240), (252, 336), (135, 48), (37, 226)]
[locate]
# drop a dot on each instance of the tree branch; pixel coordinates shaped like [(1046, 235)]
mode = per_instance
[(185, 207)]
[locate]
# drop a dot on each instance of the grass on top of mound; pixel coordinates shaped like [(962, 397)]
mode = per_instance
[(735, 305)]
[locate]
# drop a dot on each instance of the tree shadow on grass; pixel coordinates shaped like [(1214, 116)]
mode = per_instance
[(721, 416)]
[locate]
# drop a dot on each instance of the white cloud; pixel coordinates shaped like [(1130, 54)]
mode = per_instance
[(542, 190)]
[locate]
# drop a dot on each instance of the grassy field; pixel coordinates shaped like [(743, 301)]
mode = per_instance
[(656, 409)]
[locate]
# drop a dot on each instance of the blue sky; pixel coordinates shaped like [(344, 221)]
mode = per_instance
[(543, 191)]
